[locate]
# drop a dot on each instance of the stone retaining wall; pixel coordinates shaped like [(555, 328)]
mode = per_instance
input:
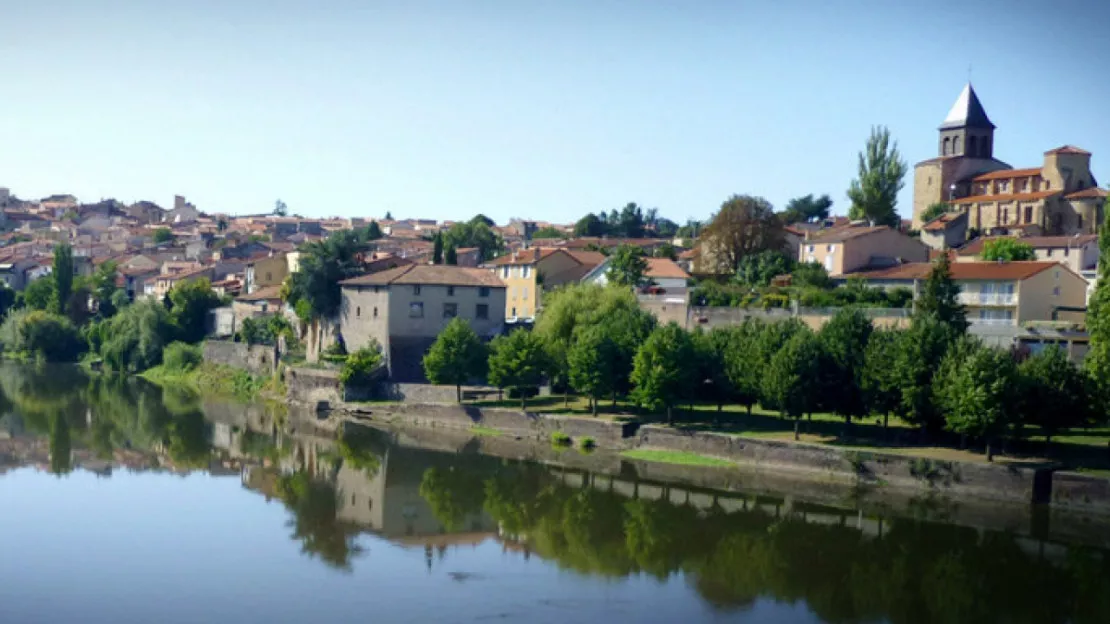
[(259, 360), (312, 385), (1072, 490)]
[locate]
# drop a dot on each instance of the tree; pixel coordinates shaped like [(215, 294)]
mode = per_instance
[(1006, 249), (373, 231), (481, 218), (666, 250), (547, 232), (388, 216), (742, 363), (593, 363), (163, 235), (661, 372), (474, 233), (808, 209), (627, 266), (437, 249), (518, 361), (40, 294), (918, 354), (933, 211), (792, 379), (456, 357), (452, 257), (1097, 362), (134, 339), (190, 302), (743, 226), (589, 225), (221, 224), (811, 275), (941, 297), (711, 355), (844, 341), (280, 209), (976, 387), (879, 380), (1054, 392), (631, 221), (665, 228), (359, 367), (757, 270), (322, 266), (103, 287), (874, 193), (42, 334), (63, 276)]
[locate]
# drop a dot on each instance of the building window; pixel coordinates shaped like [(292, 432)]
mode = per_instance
[(505, 271), (513, 314), (358, 311), (1047, 184), (1025, 184), (1066, 250), (1079, 221), (483, 291), (377, 289), (810, 250), (972, 146), (1003, 186), (1005, 216), (481, 311), (1056, 291), (450, 291), (524, 269), (829, 248), (524, 293), (416, 290), (944, 150), (416, 309), (270, 276), (375, 311), (450, 310), (955, 145), (1028, 214), (1082, 184)]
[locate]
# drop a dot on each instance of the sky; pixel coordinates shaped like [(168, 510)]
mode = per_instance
[(542, 109)]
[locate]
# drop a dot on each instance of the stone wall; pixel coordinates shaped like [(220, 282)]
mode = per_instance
[(312, 385), (259, 360), (1071, 490)]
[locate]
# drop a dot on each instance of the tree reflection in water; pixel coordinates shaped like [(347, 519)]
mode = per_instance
[(314, 505)]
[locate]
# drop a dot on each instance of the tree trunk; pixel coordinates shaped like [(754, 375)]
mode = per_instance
[(458, 393), (749, 409), (614, 400), (990, 451), (797, 427), (963, 441), (523, 400), (670, 415), (566, 397), (593, 405), (886, 425), (847, 425)]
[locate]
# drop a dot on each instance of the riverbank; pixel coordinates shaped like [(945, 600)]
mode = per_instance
[(218, 380), (1017, 483)]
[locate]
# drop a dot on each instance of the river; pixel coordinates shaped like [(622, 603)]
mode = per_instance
[(121, 502)]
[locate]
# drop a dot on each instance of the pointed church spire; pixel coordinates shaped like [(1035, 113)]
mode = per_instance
[(967, 112)]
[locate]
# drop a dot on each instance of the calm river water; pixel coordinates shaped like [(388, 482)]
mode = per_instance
[(123, 503)]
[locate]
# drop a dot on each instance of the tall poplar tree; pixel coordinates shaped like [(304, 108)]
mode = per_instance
[(882, 173)]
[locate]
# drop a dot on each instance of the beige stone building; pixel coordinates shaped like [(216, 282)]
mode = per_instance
[(1059, 197), (266, 271), (859, 246), (405, 308), (1000, 293)]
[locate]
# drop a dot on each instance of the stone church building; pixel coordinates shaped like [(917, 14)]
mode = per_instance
[(1061, 197)]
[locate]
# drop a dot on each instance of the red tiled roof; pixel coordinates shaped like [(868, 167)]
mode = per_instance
[(1068, 149), (1006, 197), (428, 274), (1006, 174), (267, 293), (587, 258), (965, 271), (664, 268), (1091, 193), (942, 222), (841, 234)]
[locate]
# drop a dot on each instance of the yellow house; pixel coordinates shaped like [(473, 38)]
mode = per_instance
[(1000, 293), (857, 247), (528, 271)]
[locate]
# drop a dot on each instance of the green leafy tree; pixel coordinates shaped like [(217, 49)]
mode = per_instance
[(811, 275), (280, 209), (742, 363), (456, 357), (879, 380), (134, 339), (163, 235), (437, 249), (359, 366), (918, 353), (1097, 362), (933, 211), (1054, 393), (373, 231), (976, 389), (627, 266), (190, 302), (474, 233), (452, 256), (844, 341), (547, 232), (793, 379), (757, 270), (104, 289), (744, 225), (589, 225), (711, 356), (322, 266), (940, 297), (882, 171), (1007, 249), (63, 276), (661, 372), (594, 363), (388, 216), (807, 209), (518, 361), (666, 250), (40, 294), (44, 335)]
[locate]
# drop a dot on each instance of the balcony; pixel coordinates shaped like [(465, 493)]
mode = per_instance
[(991, 321), (988, 299)]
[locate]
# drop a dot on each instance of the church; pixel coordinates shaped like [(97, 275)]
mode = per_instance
[(1060, 197)]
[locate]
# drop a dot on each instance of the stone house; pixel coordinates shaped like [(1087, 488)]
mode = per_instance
[(1000, 293), (265, 271), (1059, 197), (262, 302), (860, 246), (947, 231), (405, 308)]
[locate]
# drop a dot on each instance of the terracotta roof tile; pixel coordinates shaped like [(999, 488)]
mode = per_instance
[(426, 274), (1005, 197), (262, 294), (1091, 193), (664, 268), (1068, 149), (964, 271), (942, 222), (841, 234), (1006, 174)]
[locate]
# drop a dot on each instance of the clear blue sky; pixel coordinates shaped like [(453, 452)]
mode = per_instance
[(542, 109)]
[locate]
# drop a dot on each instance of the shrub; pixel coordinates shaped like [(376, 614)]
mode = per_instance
[(182, 357), (558, 438), (42, 334), (587, 444), (359, 365)]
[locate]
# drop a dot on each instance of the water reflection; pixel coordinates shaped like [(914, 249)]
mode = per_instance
[(733, 549)]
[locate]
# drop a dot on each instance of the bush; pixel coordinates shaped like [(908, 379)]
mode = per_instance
[(587, 444), (133, 339), (560, 439), (42, 334), (359, 365), (182, 357)]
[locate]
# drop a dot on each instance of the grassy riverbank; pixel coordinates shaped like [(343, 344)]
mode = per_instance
[(680, 458), (217, 380)]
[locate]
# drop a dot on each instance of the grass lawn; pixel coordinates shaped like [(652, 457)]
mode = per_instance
[(676, 457), (484, 431)]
